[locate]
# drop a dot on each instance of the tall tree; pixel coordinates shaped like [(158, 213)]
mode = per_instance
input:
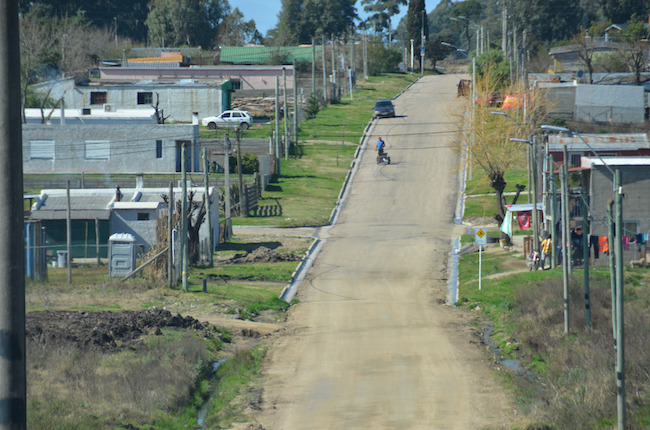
[(417, 24), (291, 28), (185, 22), (234, 31), (300, 20), (620, 11), (463, 14), (126, 16), (381, 12), (541, 18)]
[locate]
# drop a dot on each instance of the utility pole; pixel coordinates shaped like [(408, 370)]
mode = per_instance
[(553, 205), (585, 257), (565, 238), (286, 114), (276, 158), (620, 290), (170, 236), (184, 242), (353, 63), (533, 172), (13, 395), (228, 222), (612, 264), (422, 44), (68, 232), (295, 103), (243, 206), (313, 65), (504, 29), (324, 74), (208, 209), (365, 56), (334, 83), (566, 216)]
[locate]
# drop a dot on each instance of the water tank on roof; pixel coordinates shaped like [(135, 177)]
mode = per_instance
[(121, 254)]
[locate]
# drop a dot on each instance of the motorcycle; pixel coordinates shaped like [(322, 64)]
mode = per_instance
[(382, 157)]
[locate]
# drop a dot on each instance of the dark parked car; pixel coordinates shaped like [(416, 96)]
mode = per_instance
[(384, 108)]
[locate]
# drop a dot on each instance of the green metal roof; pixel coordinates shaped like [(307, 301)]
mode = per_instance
[(265, 54)]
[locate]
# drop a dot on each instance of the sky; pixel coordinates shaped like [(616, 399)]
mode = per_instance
[(265, 12)]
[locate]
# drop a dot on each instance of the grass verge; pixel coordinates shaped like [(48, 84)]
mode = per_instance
[(571, 383)]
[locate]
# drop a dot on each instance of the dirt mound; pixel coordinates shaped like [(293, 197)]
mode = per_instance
[(104, 330), (262, 255)]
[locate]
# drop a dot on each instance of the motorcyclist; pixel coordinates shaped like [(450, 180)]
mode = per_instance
[(380, 146)]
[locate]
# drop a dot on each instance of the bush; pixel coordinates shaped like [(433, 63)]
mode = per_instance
[(382, 59), (249, 164), (313, 105)]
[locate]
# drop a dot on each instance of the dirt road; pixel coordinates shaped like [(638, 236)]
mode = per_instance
[(370, 345)]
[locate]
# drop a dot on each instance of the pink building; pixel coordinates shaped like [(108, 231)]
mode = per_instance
[(244, 78)]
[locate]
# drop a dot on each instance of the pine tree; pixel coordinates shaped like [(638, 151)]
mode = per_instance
[(416, 21)]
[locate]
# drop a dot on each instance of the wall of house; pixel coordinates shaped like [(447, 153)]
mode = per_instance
[(620, 104), (126, 221), (176, 101), (131, 148), (636, 201), (250, 77)]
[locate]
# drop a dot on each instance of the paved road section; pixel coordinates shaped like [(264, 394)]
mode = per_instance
[(371, 344)]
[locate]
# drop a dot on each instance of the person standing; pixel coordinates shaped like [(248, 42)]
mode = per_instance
[(547, 247)]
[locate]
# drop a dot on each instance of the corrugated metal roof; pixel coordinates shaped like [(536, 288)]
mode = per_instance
[(96, 203), (600, 142), (264, 54)]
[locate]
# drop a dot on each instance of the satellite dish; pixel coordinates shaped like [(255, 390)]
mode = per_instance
[(580, 73)]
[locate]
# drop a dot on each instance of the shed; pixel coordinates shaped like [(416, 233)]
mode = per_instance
[(621, 104)]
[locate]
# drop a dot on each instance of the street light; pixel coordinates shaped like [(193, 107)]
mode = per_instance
[(462, 51)]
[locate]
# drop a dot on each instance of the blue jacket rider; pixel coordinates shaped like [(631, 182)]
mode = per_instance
[(380, 145)]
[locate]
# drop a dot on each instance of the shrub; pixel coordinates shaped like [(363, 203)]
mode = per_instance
[(249, 164)]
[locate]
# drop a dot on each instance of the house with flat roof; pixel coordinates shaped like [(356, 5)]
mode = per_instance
[(242, 77), (177, 98), (634, 185), (113, 147), (97, 214)]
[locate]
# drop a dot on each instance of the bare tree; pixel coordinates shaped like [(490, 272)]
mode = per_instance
[(490, 143), (37, 42), (635, 44), (586, 51)]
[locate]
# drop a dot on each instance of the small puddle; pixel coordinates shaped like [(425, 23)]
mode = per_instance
[(509, 363), (204, 410)]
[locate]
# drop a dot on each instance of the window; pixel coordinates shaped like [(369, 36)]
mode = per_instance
[(98, 97), (96, 150), (574, 160), (630, 228), (225, 115), (143, 216), (145, 98), (41, 150), (158, 148), (236, 84)]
